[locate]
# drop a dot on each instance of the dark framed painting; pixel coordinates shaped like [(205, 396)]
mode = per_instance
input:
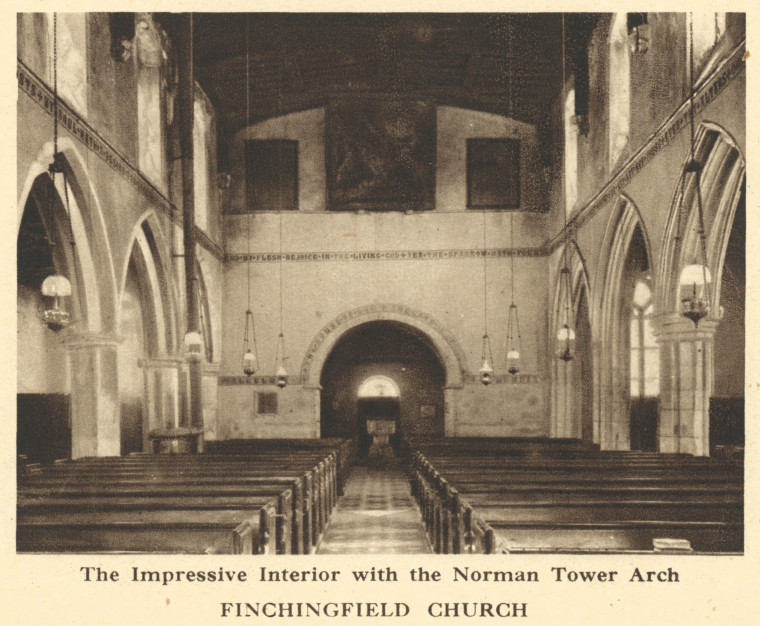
[(493, 174), (271, 174), (380, 155)]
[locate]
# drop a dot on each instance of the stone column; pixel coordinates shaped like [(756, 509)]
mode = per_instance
[(162, 390), (95, 426), (562, 422), (316, 424), (450, 397), (209, 395), (686, 372)]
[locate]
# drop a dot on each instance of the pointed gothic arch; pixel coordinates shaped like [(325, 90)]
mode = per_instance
[(91, 243), (572, 412), (688, 351), (628, 251)]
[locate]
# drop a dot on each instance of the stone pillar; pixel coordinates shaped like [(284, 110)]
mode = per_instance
[(562, 421), (686, 371), (162, 391), (95, 426), (450, 397), (316, 424), (209, 395)]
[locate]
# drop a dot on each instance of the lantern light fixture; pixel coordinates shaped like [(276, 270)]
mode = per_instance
[(695, 278), (565, 345), (280, 373), (56, 288), (250, 355), (486, 369), (514, 342), (193, 345)]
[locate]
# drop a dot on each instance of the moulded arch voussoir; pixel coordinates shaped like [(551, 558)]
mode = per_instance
[(446, 346)]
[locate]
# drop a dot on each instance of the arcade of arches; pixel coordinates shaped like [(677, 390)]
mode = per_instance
[(363, 235)]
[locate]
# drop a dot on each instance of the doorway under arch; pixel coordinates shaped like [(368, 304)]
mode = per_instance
[(400, 356)]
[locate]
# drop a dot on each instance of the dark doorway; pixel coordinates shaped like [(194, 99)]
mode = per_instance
[(582, 372), (385, 350), (44, 428), (727, 401)]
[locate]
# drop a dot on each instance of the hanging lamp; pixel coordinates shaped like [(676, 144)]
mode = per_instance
[(566, 334), (56, 288), (514, 341), (486, 369), (694, 279), (250, 354), (281, 374), (565, 344)]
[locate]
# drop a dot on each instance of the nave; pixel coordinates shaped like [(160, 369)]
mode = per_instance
[(250, 246)]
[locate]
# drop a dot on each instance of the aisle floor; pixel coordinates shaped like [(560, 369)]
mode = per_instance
[(377, 514)]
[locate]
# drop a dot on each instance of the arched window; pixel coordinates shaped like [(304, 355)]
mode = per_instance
[(640, 349), (379, 387), (71, 50), (708, 29), (571, 153), (149, 63), (620, 79), (645, 357)]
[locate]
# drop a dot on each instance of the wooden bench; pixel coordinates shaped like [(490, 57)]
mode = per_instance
[(318, 488), (271, 500), (100, 528), (502, 495)]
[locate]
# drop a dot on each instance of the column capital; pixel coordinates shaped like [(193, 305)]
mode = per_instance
[(89, 340), (675, 327)]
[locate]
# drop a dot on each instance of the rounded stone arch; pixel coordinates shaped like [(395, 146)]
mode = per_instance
[(94, 260), (723, 177), (448, 350), (147, 247)]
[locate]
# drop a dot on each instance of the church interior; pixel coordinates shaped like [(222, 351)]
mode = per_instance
[(482, 272)]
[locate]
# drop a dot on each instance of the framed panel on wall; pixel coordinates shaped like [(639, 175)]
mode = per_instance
[(266, 403), (493, 174), (271, 173), (380, 155)]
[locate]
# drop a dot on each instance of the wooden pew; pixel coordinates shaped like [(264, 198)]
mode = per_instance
[(208, 492), (313, 501), (101, 528), (292, 510), (587, 500)]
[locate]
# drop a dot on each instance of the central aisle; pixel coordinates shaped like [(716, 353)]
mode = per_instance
[(376, 515)]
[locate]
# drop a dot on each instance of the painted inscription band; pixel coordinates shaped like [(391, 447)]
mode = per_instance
[(385, 255)]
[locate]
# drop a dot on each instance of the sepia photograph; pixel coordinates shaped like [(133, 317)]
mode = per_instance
[(394, 283)]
